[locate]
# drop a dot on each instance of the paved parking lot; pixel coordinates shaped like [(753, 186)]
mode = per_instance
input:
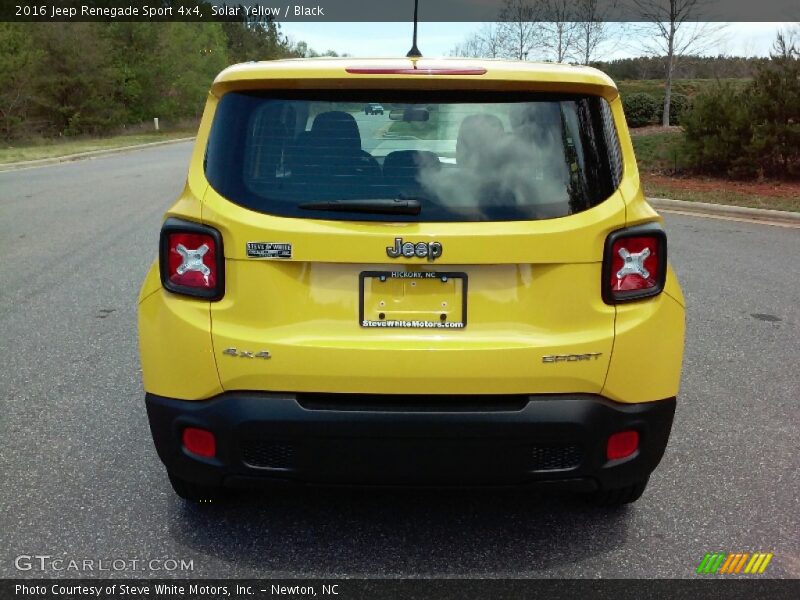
[(82, 479)]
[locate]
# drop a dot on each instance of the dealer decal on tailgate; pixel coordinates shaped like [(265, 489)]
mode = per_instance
[(268, 250)]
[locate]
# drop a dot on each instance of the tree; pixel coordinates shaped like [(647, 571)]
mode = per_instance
[(550, 29), (673, 31), (484, 43), (76, 92), (18, 58), (718, 130), (752, 131), (689, 67), (136, 54), (559, 31), (302, 50), (491, 40), (640, 109), (471, 47), (93, 78), (197, 53), (775, 109), (256, 38), (593, 30), (519, 28)]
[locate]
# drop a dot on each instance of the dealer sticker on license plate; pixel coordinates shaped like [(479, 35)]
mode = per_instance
[(413, 299)]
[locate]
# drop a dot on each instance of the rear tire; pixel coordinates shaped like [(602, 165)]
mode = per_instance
[(192, 492), (619, 496)]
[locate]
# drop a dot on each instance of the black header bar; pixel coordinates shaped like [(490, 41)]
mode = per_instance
[(389, 10), (740, 587)]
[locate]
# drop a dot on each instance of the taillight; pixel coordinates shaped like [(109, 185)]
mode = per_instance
[(622, 444), (199, 441), (634, 263), (191, 259)]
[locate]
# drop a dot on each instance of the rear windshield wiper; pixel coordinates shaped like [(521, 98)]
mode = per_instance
[(390, 206)]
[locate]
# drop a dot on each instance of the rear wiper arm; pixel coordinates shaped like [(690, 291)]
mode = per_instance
[(389, 206)]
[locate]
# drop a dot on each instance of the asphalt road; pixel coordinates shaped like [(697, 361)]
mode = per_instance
[(370, 127), (81, 479)]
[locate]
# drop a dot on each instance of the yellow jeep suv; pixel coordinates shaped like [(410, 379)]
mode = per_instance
[(469, 289)]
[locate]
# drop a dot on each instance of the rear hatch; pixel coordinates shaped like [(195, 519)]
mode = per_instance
[(452, 245)]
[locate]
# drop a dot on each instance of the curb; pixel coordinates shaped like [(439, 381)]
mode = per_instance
[(54, 160), (722, 210)]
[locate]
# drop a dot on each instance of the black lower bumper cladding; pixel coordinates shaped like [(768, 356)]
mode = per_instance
[(274, 438)]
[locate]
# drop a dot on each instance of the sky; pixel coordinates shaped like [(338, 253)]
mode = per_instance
[(438, 39)]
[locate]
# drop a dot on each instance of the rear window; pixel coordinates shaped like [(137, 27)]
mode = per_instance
[(456, 156)]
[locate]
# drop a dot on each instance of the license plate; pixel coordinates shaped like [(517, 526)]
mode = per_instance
[(413, 299)]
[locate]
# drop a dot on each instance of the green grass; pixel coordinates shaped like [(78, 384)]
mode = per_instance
[(423, 130), (659, 152), (51, 148)]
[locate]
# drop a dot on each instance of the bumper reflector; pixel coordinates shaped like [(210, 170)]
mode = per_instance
[(199, 441), (622, 444)]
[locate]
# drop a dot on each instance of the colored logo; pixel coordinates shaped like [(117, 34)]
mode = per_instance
[(741, 563)]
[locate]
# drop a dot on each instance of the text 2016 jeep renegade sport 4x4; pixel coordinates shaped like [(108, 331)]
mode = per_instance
[(468, 289)]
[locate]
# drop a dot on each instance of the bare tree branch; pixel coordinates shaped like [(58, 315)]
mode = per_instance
[(484, 43), (519, 28), (593, 29), (560, 31), (673, 31)]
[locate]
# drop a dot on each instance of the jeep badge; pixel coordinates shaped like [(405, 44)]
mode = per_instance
[(432, 250)]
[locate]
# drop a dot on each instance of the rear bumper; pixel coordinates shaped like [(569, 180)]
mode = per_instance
[(552, 440)]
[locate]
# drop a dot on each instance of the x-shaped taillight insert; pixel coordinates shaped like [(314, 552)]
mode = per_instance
[(192, 260), (633, 263)]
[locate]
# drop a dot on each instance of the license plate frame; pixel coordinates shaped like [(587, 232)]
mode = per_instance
[(459, 280)]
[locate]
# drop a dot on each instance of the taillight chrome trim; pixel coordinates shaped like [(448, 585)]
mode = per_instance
[(653, 230), (174, 225)]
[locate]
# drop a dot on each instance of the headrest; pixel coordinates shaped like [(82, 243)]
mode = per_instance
[(475, 133), (537, 122), (336, 128), (401, 162)]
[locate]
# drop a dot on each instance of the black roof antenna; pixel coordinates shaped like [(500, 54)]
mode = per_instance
[(414, 52)]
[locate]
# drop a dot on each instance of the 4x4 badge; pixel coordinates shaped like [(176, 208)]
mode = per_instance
[(246, 353), (431, 250)]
